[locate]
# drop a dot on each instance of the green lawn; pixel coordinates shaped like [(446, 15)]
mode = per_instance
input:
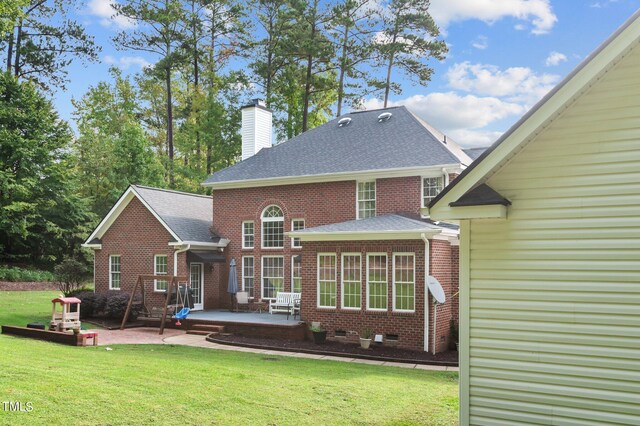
[(165, 384)]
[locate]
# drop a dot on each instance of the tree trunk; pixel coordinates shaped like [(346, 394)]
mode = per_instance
[(269, 75), (16, 66), (307, 94), (10, 49), (343, 65), (387, 86), (169, 126)]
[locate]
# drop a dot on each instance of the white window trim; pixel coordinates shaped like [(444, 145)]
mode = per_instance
[(304, 225), (111, 272), (155, 272), (292, 263), (254, 234), (335, 278), (262, 258), (445, 182), (375, 196), (342, 306), (367, 293), (270, 219), (253, 276), (393, 279)]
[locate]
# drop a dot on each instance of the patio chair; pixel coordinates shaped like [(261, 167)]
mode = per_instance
[(242, 299), (295, 308)]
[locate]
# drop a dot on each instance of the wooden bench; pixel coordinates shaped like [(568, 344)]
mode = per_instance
[(283, 302)]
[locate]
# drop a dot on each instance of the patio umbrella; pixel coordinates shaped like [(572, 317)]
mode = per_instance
[(232, 288)]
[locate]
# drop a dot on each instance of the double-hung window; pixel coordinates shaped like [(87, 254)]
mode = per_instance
[(247, 234), (272, 276), (114, 272), (377, 282), (327, 280), (272, 227), (404, 282), (431, 187), (366, 199), (160, 268), (247, 274), (296, 274), (351, 281), (297, 225)]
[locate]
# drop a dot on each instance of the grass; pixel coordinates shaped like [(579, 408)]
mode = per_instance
[(164, 384), (14, 274)]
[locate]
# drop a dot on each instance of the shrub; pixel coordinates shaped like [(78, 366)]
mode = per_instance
[(116, 306), (71, 274), (80, 290), (16, 274), (87, 307)]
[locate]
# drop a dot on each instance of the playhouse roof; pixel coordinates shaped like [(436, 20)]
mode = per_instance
[(66, 300)]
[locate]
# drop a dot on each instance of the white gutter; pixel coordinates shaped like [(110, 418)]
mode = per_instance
[(175, 258), (334, 177), (361, 235), (426, 292), (221, 244)]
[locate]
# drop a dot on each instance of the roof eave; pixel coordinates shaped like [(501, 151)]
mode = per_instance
[(336, 177), (412, 234)]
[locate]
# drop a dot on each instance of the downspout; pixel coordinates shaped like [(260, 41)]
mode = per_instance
[(426, 292), (175, 259)]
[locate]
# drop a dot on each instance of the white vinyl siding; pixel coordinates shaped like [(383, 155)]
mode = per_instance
[(114, 272), (160, 268), (554, 293), (327, 286), (248, 234), (365, 199), (351, 281), (377, 282)]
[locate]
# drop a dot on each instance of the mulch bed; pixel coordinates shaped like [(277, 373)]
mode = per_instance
[(351, 350), (27, 286)]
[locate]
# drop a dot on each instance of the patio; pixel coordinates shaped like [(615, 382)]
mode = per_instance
[(226, 316)]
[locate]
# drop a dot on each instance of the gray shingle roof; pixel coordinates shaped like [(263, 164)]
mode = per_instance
[(474, 153), (389, 223), (365, 144), (188, 215), (481, 195)]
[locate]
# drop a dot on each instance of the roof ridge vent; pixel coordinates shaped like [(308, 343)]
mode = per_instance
[(344, 122), (385, 116)]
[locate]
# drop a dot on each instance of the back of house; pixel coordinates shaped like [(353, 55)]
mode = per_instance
[(337, 213)]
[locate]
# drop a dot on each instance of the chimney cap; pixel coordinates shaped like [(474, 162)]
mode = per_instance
[(256, 103)]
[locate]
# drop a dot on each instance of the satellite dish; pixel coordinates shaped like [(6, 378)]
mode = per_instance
[(435, 289)]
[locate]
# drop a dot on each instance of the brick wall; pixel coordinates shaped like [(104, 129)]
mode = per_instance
[(316, 203), (409, 327), (136, 235)]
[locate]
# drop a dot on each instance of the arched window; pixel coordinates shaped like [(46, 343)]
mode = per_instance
[(272, 227)]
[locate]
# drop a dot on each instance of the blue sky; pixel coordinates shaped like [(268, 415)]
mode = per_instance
[(504, 55)]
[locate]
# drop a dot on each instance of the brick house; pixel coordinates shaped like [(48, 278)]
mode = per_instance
[(336, 213)]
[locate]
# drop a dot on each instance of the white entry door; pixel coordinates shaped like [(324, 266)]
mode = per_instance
[(197, 284)]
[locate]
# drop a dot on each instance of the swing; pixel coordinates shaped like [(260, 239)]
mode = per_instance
[(184, 312)]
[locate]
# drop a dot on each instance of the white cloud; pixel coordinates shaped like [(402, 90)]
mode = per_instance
[(555, 58), (537, 12), (104, 10), (460, 117), (126, 62), (515, 84), (480, 42)]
